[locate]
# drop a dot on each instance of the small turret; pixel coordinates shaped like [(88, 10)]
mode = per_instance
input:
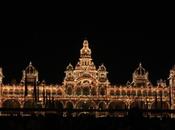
[(69, 73)]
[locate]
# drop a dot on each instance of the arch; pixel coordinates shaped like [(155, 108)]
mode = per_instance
[(11, 103), (139, 93), (160, 93), (102, 91), (54, 92), (160, 105), (138, 104), (48, 92), (117, 105), (154, 93), (144, 93), (31, 104), (21, 92), (58, 104), (11, 91), (133, 93), (5, 91), (86, 104), (166, 93), (69, 90), (93, 91), (17, 91), (86, 90), (123, 93), (59, 92), (69, 105), (112, 93), (102, 105), (78, 91), (118, 92), (128, 93), (149, 93)]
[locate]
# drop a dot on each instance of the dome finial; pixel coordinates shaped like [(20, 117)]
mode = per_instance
[(85, 43), (140, 64), (30, 63)]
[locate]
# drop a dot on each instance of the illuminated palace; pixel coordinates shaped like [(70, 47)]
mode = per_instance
[(87, 87)]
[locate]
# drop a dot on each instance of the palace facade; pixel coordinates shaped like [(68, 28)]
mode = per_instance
[(88, 87)]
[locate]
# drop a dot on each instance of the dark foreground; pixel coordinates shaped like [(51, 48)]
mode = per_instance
[(52, 122)]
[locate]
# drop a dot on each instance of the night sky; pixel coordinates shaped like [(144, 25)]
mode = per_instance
[(121, 52)]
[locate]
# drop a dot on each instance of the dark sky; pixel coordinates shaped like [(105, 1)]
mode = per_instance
[(121, 52)]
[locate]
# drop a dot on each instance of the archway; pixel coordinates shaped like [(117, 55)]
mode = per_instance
[(69, 90), (78, 91), (160, 105), (86, 90), (59, 106), (138, 104), (30, 104), (102, 106), (86, 106), (116, 107), (11, 103), (102, 91), (93, 91), (69, 107)]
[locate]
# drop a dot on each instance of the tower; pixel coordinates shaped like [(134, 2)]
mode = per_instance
[(30, 78), (102, 80), (140, 77), (85, 72), (69, 79), (172, 86), (30, 75), (82, 79)]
